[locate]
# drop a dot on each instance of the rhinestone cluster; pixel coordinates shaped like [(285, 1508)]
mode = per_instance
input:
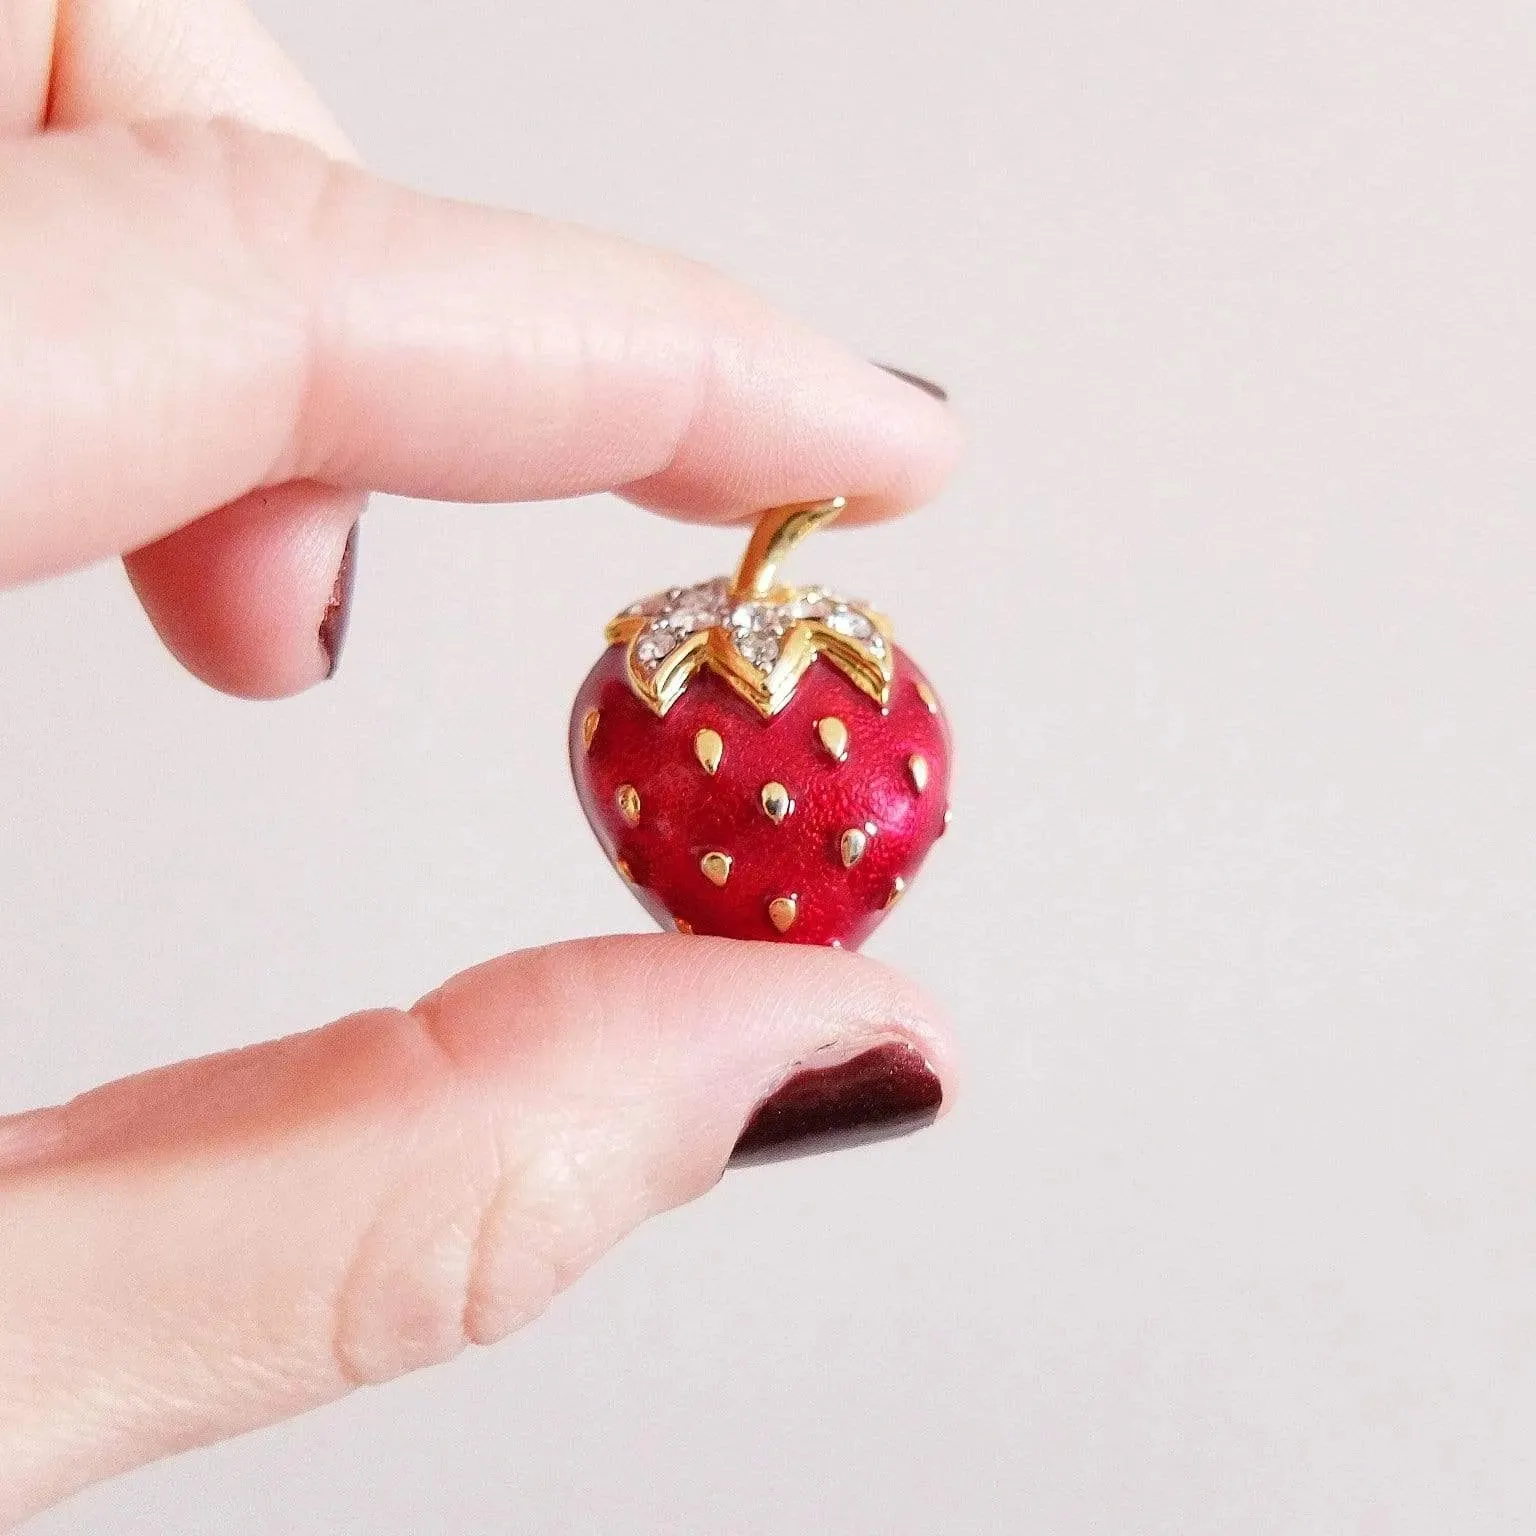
[(767, 643), (674, 615)]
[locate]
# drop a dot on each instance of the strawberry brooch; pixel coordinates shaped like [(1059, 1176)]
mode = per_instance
[(760, 761)]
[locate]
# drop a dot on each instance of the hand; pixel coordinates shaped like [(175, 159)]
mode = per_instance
[(216, 339)]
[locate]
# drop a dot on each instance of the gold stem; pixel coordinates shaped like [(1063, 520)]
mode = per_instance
[(778, 531)]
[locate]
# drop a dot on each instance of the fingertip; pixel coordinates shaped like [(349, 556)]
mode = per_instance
[(726, 1017), (252, 598), (925, 442), (835, 425)]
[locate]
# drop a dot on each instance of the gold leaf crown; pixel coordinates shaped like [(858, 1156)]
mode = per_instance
[(758, 636)]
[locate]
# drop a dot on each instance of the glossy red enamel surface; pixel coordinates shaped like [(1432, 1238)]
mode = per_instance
[(686, 813)]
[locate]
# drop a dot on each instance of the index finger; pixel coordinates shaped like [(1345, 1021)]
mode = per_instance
[(200, 310)]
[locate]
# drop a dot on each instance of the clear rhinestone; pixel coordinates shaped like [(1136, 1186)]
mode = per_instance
[(761, 649), (655, 645), (686, 620), (810, 604), (707, 596), (757, 629), (697, 607), (846, 622)]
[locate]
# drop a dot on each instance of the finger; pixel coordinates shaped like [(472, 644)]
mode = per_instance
[(231, 1241), (198, 311), (246, 617), (90, 61), (242, 617), (26, 50), (249, 597)]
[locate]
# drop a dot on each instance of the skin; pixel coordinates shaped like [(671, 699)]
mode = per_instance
[(219, 335)]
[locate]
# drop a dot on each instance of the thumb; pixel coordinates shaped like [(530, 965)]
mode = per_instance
[(220, 1244)]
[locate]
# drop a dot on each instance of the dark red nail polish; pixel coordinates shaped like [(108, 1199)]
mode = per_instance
[(917, 381), (338, 609), (884, 1092)]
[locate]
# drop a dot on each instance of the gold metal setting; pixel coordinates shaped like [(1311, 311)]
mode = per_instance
[(898, 890), (628, 801), (852, 846), (773, 540), (716, 867), (917, 769), (929, 698), (866, 658), (777, 802), (709, 749), (782, 912), (682, 925), (589, 728), (833, 736)]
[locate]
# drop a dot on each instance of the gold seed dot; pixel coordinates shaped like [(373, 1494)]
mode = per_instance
[(716, 867), (589, 728), (682, 925), (709, 749), (917, 767), (853, 844), (628, 798), (777, 803), (782, 912), (929, 698), (833, 735), (622, 865), (898, 890)]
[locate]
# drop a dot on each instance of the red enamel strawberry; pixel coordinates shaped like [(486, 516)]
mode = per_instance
[(761, 762)]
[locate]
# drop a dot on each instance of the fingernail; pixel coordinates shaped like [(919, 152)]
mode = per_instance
[(884, 1092), (338, 609), (917, 381)]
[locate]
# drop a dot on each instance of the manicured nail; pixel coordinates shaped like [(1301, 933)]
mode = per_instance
[(884, 1092), (338, 609), (917, 381)]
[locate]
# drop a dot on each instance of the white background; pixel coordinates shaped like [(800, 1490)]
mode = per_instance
[(1233, 610)]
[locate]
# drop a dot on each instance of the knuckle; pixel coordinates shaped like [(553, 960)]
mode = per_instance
[(239, 185), (273, 226), (482, 1216)]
